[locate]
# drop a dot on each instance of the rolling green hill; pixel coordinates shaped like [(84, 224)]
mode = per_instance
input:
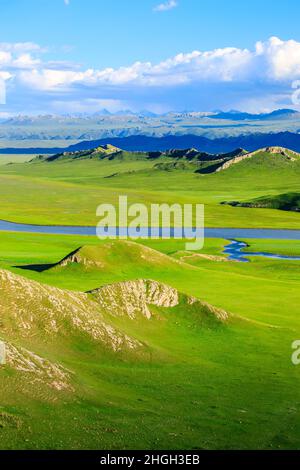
[(284, 202), (61, 344), (120, 340), (97, 153)]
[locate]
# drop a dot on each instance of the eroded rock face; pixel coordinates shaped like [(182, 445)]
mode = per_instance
[(281, 150), (235, 160), (219, 313), (37, 368), (77, 258), (28, 307), (290, 154), (132, 298)]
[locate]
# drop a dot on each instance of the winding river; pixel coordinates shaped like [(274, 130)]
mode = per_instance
[(228, 233), (234, 250)]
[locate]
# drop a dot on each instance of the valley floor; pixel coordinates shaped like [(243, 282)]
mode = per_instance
[(142, 345), (69, 192)]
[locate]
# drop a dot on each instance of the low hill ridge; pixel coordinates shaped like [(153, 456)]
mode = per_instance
[(130, 298), (134, 297), (96, 257), (189, 159), (284, 202), (102, 151), (289, 154)]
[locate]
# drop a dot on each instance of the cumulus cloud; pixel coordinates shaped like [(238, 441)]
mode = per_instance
[(282, 58), (165, 6), (270, 66), (273, 60)]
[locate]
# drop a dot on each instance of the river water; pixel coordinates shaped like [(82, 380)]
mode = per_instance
[(234, 250)]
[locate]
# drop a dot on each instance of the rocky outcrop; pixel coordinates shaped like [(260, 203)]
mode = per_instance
[(289, 154), (282, 151), (37, 368), (219, 313), (133, 298), (78, 257), (235, 160), (188, 256), (28, 307)]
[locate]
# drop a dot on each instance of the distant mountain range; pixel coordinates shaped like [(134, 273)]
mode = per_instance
[(250, 142), (217, 132), (232, 115), (240, 116)]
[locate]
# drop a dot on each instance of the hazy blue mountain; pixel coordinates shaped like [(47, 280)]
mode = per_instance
[(240, 116), (250, 142), (211, 132)]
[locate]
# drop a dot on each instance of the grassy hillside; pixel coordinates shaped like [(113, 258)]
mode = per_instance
[(284, 202), (197, 377)]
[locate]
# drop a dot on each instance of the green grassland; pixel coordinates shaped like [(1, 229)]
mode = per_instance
[(199, 384), (280, 247), (68, 191), (6, 159), (192, 380)]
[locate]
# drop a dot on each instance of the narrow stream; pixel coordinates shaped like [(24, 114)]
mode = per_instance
[(235, 252)]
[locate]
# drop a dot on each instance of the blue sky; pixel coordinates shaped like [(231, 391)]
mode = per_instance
[(79, 55)]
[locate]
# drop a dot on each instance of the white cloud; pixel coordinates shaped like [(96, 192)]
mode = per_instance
[(5, 75), (165, 6), (282, 58), (25, 61), (273, 60), (5, 58), (267, 70)]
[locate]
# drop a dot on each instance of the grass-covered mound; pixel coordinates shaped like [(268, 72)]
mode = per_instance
[(284, 202), (90, 266)]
